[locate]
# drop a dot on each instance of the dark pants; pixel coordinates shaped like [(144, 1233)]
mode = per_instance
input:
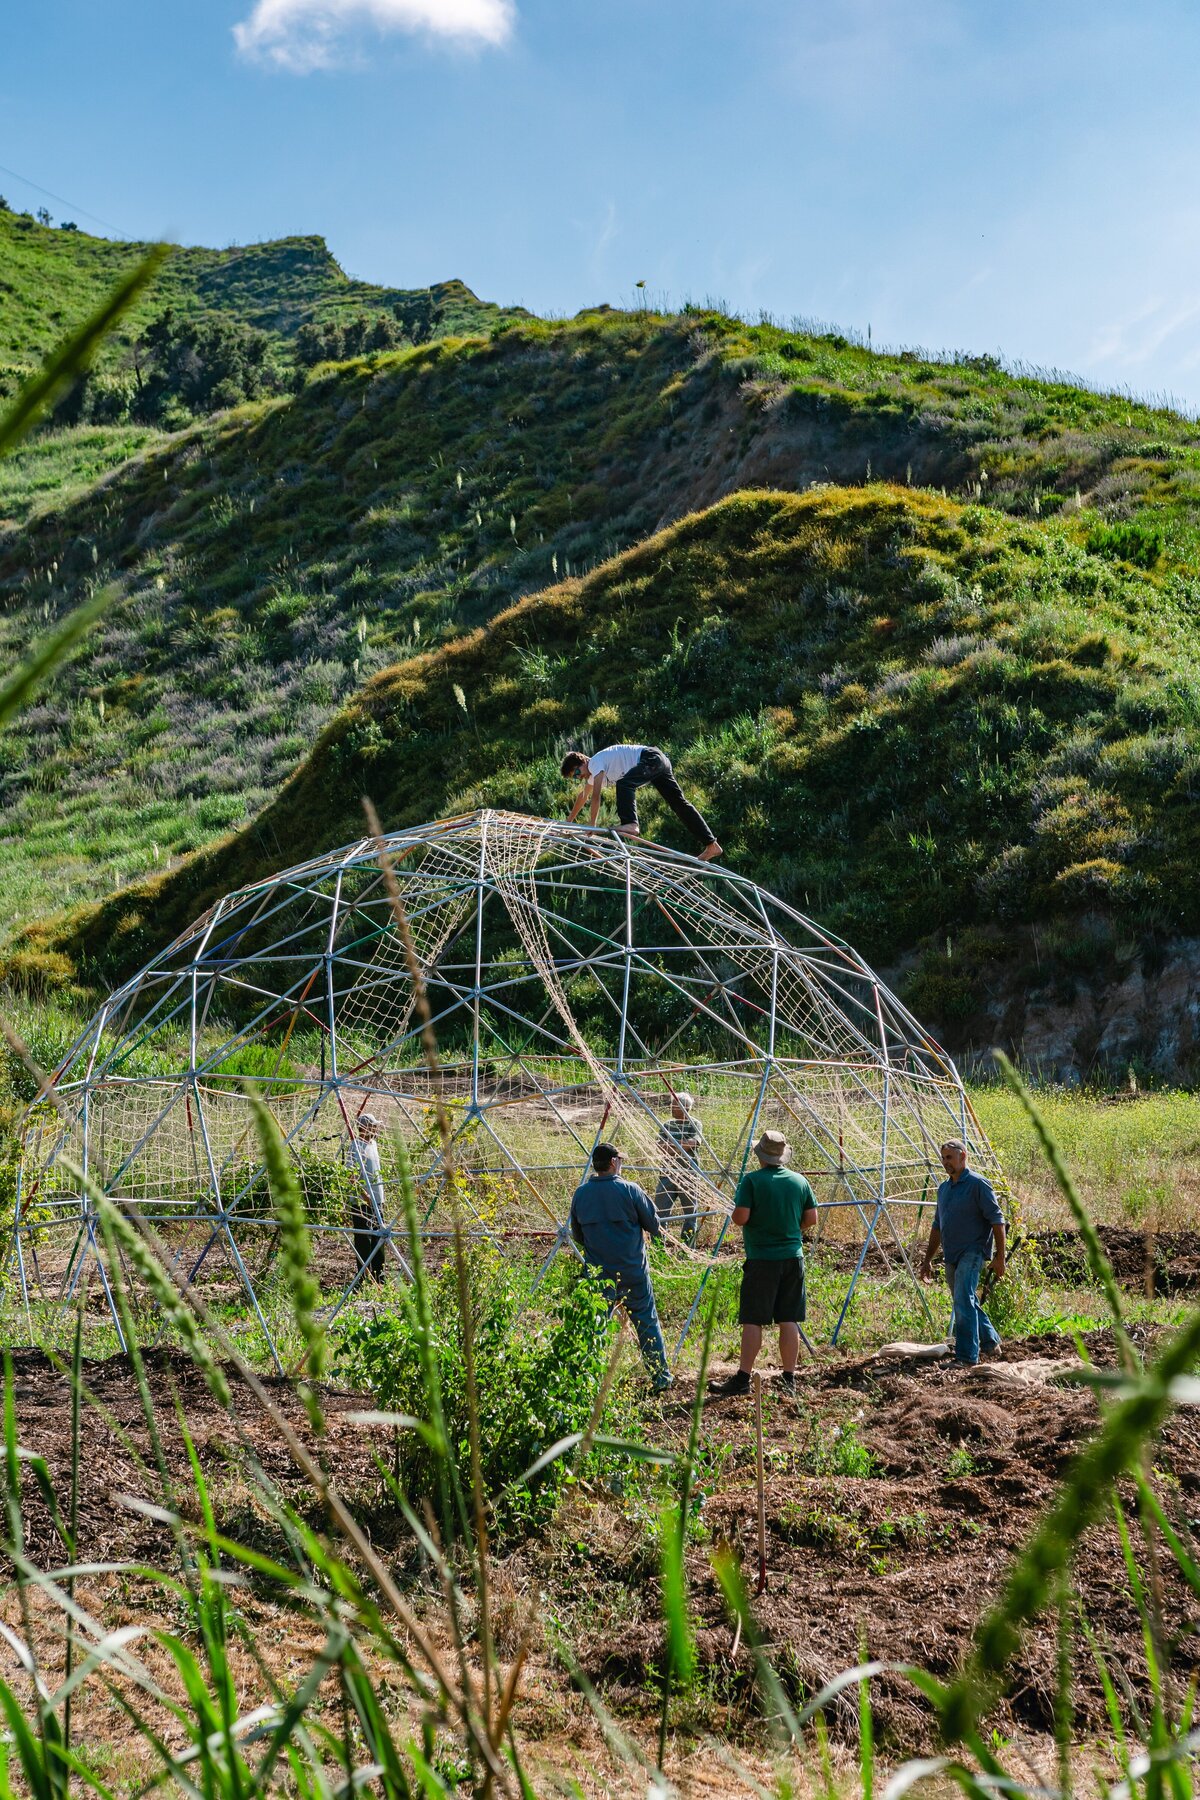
[(772, 1291), (665, 1196), (368, 1239), (653, 769)]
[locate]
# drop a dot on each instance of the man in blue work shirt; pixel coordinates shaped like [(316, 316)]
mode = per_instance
[(965, 1223), (608, 1217)]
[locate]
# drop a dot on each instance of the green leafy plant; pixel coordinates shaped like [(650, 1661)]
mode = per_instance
[(1127, 541), (536, 1380)]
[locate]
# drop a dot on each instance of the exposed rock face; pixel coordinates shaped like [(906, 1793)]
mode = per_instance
[(1145, 1011)]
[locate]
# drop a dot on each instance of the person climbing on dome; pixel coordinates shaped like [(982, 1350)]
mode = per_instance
[(628, 767), (680, 1138), (607, 1220), (366, 1209)]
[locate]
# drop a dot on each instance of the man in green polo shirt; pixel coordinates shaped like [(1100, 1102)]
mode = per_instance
[(776, 1210)]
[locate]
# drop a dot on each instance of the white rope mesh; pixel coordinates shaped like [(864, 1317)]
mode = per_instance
[(579, 980)]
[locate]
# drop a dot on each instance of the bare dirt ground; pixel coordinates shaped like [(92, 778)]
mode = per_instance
[(1144, 1262), (900, 1561), (1149, 1262)]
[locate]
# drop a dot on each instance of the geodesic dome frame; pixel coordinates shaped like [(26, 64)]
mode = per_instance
[(578, 980)]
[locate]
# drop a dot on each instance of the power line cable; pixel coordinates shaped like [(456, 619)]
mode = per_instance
[(95, 217)]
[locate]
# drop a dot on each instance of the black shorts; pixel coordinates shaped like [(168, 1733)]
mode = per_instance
[(772, 1291)]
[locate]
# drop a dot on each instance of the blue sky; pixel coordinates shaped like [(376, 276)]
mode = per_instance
[(1020, 178)]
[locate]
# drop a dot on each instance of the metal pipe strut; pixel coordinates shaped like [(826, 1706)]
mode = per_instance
[(579, 981)]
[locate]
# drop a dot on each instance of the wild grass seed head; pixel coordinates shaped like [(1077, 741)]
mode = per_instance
[(295, 1245)]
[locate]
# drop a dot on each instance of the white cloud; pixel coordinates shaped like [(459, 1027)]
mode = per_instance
[(302, 35)]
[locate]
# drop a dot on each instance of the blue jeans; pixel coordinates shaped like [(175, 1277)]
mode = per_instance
[(971, 1324), (637, 1297)]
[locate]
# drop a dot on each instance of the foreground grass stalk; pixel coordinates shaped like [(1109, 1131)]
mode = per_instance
[(75, 354), (681, 1655), (53, 649), (16, 1534), (1083, 1497), (781, 1719), (76, 1394), (1064, 1699), (1097, 1259), (477, 1490), (287, 1203)]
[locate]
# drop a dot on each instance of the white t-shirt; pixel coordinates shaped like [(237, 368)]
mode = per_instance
[(617, 760), (368, 1153)]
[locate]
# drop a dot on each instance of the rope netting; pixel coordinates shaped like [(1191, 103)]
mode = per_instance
[(580, 982)]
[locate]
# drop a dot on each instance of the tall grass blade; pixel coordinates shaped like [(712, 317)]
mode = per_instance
[(478, 1497), (1064, 1694), (1097, 1259), (74, 355), (1085, 1492), (73, 1539), (681, 1650), (621, 1745), (781, 1720), (1112, 1704), (1153, 1507), (295, 1245), (866, 1738)]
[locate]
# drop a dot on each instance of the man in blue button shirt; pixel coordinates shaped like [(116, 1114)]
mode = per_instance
[(967, 1220), (608, 1218)]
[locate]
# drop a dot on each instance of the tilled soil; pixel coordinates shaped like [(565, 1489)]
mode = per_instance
[(903, 1562), (118, 1459), (1160, 1262), (900, 1561)]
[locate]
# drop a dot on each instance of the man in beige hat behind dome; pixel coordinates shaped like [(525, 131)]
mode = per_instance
[(776, 1210)]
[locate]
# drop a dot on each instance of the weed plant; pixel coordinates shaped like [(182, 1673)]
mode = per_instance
[(538, 1371)]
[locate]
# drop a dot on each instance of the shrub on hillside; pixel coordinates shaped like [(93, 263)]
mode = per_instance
[(1127, 541), (327, 340), (198, 363)]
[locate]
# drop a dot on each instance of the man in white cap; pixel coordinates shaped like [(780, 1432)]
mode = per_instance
[(366, 1211), (776, 1210)]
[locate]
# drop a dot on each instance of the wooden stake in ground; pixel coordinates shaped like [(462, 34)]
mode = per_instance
[(762, 1495)]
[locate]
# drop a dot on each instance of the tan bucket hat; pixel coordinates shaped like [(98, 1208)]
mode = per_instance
[(772, 1147)]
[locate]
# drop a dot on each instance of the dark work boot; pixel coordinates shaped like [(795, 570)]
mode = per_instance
[(737, 1383)]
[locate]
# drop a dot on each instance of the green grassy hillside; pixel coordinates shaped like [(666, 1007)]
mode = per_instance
[(50, 280), (275, 558), (906, 716)]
